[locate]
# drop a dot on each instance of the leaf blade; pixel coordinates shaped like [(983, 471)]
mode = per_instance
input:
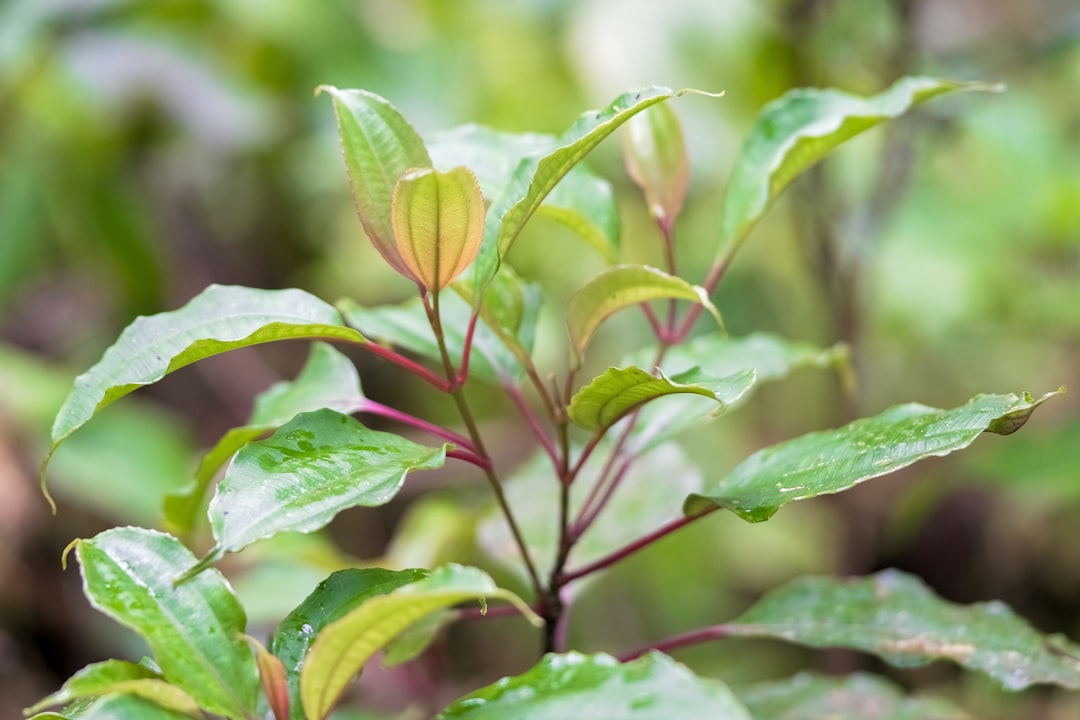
[(194, 630), (835, 460), (896, 617), (796, 130), (577, 686)]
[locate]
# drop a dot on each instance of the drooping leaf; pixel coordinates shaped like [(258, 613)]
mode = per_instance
[(438, 221), (328, 379), (656, 160), (647, 497), (379, 146), (619, 391), (299, 478), (895, 616), (406, 326), (796, 130), (120, 677), (769, 357), (621, 287), (194, 630), (852, 697), (581, 201), (220, 318), (343, 646), (334, 598), (581, 686), (536, 176), (827, 462)]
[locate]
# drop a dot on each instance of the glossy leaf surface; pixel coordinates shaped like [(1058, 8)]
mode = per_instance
[(118, 676), (438, 221), (328, 379), (536, 176), (827, 462), (219, 319), (796, 130), (769, 357), (121, 707), (582, 201), (379, 146), (585, 686), (895, 616), (343, 647), (194, 630), (618, 391), (620, 287), (312, 468), (656, 160), (334, 598), (854, 697)]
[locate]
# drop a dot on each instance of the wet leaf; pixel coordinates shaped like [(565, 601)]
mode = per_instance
[(583, 686), (896, 617), (827, 462), (120, 677), (193, 630), (342, 648)]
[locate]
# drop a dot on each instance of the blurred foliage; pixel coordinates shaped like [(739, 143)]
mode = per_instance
[(150, 148)]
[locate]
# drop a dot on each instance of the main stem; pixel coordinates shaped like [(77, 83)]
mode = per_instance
[(462, 403)]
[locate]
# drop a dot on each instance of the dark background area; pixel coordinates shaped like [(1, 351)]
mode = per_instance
[(148, 149)]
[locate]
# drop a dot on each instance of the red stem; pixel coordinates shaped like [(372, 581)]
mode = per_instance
[(414, 367), (463, 371), (694, 637), (534, 423), (627, 550), (377, 408)]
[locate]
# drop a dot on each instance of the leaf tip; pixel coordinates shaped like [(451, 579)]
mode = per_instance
[(43, 478), (64, 555)]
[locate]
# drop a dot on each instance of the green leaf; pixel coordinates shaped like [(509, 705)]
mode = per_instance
[(618, 391), (124, 707), (656, 160), (438, 221), (343, 647), (406, 326), (828, 462), (796, 130), (582, 201), (648, 496), (334, 598), (379, 146), (328, 379), (621, 287), (118, 676), (299, 478), (769, 357), (536, 175), (415, 639), (854, 697), (219, 319), (583, 686), (193, 630), (895, 616)]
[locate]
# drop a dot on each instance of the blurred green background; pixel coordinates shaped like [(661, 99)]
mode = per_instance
[(148, 149)]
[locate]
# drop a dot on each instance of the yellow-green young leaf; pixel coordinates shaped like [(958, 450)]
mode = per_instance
[(896, 617), (343, 647), (656, 160), (795, 131), (117, 706), (832, 461), (619, 391), (621, 287), (438, 221), (120, 677), (379, 146)]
